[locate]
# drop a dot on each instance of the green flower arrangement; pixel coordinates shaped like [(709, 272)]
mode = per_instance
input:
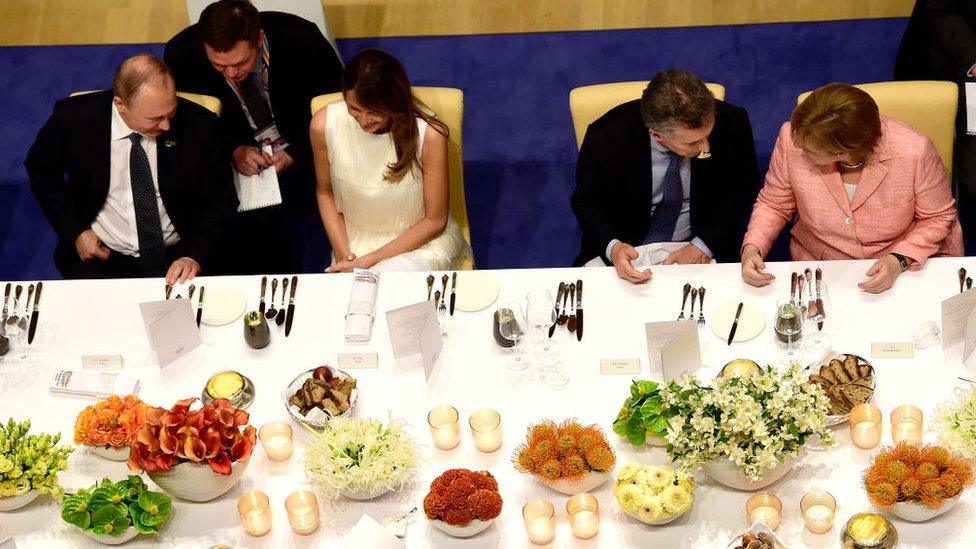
[(643, 414), (955, 422), (653, 494), (30, 462), (110, 508)]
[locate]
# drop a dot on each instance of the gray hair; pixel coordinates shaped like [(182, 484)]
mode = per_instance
[(136, 72)]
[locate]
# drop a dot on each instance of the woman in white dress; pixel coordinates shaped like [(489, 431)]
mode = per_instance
[(381, 166)]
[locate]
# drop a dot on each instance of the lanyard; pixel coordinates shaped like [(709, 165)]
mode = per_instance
[(266, 55)]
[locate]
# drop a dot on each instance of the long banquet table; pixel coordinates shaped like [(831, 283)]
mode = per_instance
[(102, 317)]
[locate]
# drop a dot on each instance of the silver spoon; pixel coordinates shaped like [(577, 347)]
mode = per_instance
[(15, 318), (430, 285), (571, 321), (563, 318), (272, 312)]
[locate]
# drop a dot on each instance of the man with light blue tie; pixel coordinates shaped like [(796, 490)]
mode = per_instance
[(676, 168)]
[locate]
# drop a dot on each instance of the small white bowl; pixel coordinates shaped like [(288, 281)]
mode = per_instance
[(128, 535), (364, 496), (917, 512), (586, 484), (476, 526), (16, 502), (658, 522), (111, 452)]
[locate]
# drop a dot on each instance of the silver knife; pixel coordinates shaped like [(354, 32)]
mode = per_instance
[(34, 314), (735, 323), (6, 297)]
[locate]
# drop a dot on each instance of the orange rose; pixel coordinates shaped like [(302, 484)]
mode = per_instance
[(118, 439), (96, 438)]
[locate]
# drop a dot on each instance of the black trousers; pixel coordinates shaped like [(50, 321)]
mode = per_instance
[(118, 265)]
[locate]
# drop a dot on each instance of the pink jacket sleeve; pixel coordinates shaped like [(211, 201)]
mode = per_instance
[(776, 203), (935, 209)]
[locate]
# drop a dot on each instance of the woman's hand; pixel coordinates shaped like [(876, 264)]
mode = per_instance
[(753, 267), (343, 265), (882, 275)]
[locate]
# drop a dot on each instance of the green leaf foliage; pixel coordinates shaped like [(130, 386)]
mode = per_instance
[(644, 411), (109, 508), (75, 510)]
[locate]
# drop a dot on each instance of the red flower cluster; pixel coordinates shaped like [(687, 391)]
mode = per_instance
[(459, 496), (211, 434)]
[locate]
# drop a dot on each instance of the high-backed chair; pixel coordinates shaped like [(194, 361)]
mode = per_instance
[(928, 106), (448, 104), (591, 102), (208, 102)]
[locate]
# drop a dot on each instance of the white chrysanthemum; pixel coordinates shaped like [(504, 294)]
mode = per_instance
[(650, 509), (659, 478), (630, 498), (628, 471), (675, 500)]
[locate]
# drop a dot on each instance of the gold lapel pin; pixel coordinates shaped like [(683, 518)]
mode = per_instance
[(703, 155)]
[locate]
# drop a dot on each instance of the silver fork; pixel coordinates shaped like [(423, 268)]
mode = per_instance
[(701, 306)]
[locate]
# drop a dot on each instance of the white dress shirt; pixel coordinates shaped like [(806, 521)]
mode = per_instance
[(660, 158), (115, 223)]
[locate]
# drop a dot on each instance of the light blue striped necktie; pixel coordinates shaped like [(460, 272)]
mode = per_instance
[(665, 215)]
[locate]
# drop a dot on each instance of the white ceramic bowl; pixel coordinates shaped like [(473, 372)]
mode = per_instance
[(128, 535), (658, 522), (474, 527), (364, 496), (586, 484), (196, 481), (111, 452), (725, 472), (918, 512), (16, 502)]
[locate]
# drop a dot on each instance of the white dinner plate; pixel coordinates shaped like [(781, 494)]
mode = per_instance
[(752, 321), (476, 291), (222, 304)]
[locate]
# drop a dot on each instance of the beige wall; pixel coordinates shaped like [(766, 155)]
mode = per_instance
[(42, 22)]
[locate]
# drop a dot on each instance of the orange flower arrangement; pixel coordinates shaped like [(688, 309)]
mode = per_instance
[(923, 474), (565, 451), (113, 422), (459, 496)]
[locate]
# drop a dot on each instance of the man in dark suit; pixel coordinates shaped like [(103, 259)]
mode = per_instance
[(265, 68), (940, 44), (676, 165), (147, 190)]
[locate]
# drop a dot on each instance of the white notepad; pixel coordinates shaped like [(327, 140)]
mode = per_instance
[(257, 191)]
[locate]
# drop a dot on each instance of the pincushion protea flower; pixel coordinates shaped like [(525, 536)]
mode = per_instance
[(923, 474)]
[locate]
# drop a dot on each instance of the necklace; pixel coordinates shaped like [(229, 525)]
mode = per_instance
[(847, 166)]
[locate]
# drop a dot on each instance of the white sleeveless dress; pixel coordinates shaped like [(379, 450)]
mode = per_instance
[(377, 210)]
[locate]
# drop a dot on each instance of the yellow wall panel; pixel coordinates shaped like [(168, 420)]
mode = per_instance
[(43, 22)]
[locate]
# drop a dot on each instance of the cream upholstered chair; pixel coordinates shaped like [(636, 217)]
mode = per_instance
[(929, 106), (591, 102), (448, 104), (208, 102)]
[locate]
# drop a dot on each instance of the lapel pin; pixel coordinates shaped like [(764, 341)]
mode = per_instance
[(703, 155), (169, 143)]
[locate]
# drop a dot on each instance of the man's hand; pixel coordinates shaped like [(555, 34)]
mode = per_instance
[(621, 255), (687, 255), (183, 269), (89, 246), (250, 160), (753, 267), (281, 160), (881, 275)]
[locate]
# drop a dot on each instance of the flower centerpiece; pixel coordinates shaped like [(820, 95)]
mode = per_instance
[(917, 482), (955, 423), (115, 512), (568, 457), (29, 464), (194, 454), (747, 432), (653, 494), (110, 425), (643, 416), (462, 502), (360, 458)]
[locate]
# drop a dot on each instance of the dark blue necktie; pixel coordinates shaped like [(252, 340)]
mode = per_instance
[(152, 250), (665, 216)]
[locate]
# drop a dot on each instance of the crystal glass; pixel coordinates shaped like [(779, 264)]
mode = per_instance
[(765, 508), (540, 521), (818, 343), (509, 329), (15, 329), (818, 508), (788, 325), (540, 314)]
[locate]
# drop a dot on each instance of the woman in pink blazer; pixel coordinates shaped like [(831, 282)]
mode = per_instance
[(860, 186)]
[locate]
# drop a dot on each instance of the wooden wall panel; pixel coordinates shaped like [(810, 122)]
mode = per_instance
[(50, 22)]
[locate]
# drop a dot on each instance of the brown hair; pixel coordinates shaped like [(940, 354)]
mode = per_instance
[(673, 97), (381, 85), (138, 71), (838, 118), (225, 23)]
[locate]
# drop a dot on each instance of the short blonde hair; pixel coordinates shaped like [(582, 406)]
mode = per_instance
[(838, 118), (138, 71)]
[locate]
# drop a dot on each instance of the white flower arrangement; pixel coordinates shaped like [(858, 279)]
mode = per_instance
[(955, 423), (756, 421), (361, 456), (651, 493)]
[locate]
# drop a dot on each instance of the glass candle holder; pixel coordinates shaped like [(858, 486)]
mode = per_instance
[(276, 440), (444, 427), (906, 424), (486, 428), (255, 511), (765, 508), (303, 511), (584, 515), (540, 521), (865, 423), (817, 508)]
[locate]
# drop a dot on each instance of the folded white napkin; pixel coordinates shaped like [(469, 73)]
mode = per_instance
[(362, 303), (649, 254)]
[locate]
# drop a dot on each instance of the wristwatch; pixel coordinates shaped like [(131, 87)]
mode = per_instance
[(902, 261)]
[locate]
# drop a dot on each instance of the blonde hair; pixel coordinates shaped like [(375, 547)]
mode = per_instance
[(838, 118)]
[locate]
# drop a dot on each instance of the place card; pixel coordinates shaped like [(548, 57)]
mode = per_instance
[(673, 347), (103, 363), (369, 533), (611, 366), (414, 330), (955, 316), (353, 361), (897, 349), (171, 327)]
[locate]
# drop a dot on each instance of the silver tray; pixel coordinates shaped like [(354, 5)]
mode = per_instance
[(839, 419), (316, 424)]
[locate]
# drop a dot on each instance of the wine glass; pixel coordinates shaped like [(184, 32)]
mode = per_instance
[(818, 343), (15, 330), (510, 330), (788, 325), (540, 313)]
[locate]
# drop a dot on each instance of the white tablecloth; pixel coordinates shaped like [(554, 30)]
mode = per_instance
[(102, 317)]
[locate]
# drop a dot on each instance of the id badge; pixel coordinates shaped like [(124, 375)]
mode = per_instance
[(270, 136)]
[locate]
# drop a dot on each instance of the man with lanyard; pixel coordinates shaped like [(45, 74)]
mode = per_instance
[(228, 54)]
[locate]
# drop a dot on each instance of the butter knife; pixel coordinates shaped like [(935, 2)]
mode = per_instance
[(34, 314), (6, 297), (291, 306), (820, 305), (200, 307), (735, 323), (579, 310), (453, 287), (264, 286), (559, 296)]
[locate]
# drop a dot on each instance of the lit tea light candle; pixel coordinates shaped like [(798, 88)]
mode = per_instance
[(255, 511), (865, 423), (906, 424), (486, 427), (444, 427), (584, 515), (540, 521), (303, 511), (276, 440), (765, 508), (817, 508)]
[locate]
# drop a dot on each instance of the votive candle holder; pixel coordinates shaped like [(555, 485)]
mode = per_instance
[(865, 423), (765, 508), (255, 512), (276, 439), (486, 429), (303, 511), (817, 508), (906, 424), (540, 521), (444, 427), (584, 515)]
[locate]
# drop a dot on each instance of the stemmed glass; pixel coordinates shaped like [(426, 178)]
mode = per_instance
[(818, 343), (15, 330), (509, 329), (540, 313), (788, 325)]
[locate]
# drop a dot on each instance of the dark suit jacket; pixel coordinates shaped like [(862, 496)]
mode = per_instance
[(613, 183), (194, 179), (303, 65), (939, 42)]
